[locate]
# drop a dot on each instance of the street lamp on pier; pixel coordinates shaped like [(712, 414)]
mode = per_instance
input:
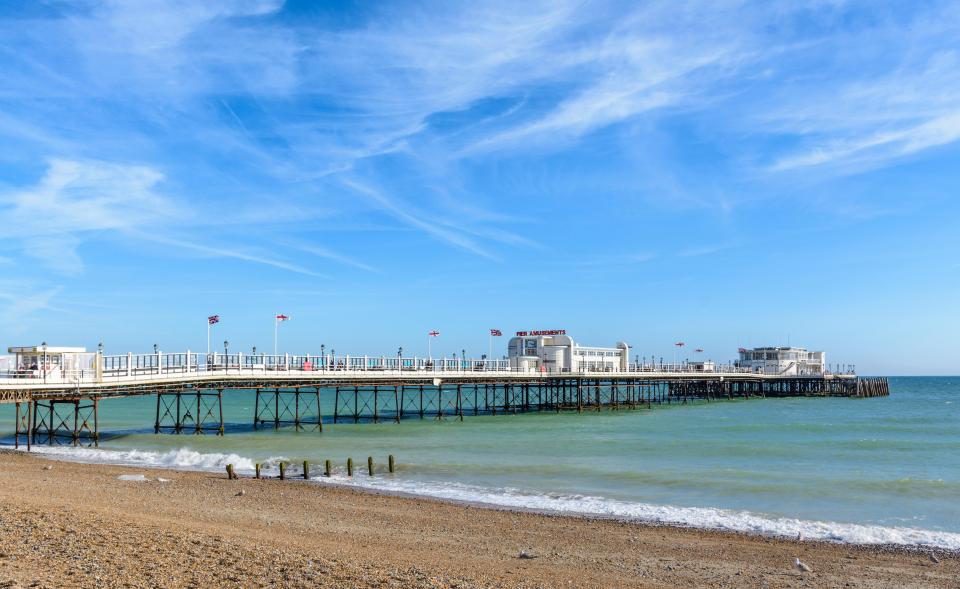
[(43, 366)]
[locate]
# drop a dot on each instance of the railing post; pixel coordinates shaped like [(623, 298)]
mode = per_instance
[(129, 363), (239, 361), (286, 361), (186, 367)]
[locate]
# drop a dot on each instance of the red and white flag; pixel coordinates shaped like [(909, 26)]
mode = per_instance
[(434, 333), (699, 350), (213, 320), (283, 318), (679, 344), (496, 332)]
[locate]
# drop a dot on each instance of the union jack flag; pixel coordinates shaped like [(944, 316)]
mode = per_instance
[(496, 332), (434, 333), (213, 319), (283, 318), (679, 344), (699, 350)]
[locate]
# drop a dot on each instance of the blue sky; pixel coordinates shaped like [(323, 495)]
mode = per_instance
[(723, 173)]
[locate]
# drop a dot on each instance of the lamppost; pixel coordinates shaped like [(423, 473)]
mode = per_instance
[(333, 359), (43, 366), (156, 348), (100, 348), (463, 358), (400, 358), (323, 354), (226, 350)]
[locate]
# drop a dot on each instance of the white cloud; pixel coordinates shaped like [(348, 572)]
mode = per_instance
[(405, 213), (75, 198), (327, 253)]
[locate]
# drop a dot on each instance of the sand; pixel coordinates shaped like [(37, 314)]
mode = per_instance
[(74, 525)]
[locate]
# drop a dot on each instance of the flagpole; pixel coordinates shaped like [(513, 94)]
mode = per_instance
[(275, 324), (429, 347), (208, 336)]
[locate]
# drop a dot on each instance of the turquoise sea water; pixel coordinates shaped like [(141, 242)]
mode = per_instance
[(868, 470)]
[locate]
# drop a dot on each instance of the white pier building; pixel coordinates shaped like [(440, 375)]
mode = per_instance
[(779, 361), (555, 351)]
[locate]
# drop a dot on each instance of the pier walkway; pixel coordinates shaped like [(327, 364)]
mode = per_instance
[(58, 402)]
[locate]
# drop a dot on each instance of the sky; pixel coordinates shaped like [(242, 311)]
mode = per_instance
[(724, 173)]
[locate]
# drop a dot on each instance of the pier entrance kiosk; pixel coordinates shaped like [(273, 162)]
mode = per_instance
[(53, 363)]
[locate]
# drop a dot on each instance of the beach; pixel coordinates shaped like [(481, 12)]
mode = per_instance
[(70, 524)]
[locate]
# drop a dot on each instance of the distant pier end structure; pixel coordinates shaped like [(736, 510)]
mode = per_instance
[(779, 361), (57, 390)]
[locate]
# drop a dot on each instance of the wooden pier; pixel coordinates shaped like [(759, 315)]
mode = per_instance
[(290, 391)]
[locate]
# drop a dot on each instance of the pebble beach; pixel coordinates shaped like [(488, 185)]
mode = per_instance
[(80, 525)]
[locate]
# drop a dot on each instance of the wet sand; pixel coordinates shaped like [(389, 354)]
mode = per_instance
[(74, 525)]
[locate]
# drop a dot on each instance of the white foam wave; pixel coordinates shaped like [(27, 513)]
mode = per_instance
[(181, 458), (584, 505), (698, 517)]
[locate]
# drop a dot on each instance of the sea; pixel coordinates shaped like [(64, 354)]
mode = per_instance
[(867, 471)]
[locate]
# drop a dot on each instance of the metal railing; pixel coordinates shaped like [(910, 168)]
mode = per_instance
[(133, 367)]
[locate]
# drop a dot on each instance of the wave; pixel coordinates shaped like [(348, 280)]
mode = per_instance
[(182, 458), (566, 504), (695, 517)]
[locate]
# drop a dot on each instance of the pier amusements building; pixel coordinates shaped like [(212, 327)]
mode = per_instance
[(555, 351)]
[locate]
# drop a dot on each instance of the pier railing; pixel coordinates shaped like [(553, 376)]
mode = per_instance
[(134, 367)]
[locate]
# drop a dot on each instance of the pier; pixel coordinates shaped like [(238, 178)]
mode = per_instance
[(59, 401)]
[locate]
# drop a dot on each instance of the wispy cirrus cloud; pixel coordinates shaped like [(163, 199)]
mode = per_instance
[(903, 100), (76, 198)]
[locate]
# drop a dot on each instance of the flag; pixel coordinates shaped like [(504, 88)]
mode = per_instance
[(213, 319), (496, 332), (699, 350), (283, 318), (434, 333), (742, 350), (679, 344)]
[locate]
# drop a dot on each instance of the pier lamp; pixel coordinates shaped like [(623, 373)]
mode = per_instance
[(400, 358), (254, 350), (43, 366), (155, 348), (226, 347), (100, 348)]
